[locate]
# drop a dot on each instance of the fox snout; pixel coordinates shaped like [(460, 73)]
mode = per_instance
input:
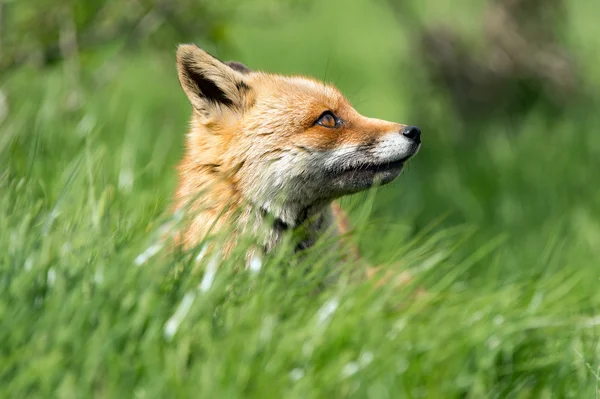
[(377, 160)]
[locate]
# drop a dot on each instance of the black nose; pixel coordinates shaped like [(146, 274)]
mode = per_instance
[(412, 132)]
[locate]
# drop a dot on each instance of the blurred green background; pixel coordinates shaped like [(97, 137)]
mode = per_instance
[(498, 217)]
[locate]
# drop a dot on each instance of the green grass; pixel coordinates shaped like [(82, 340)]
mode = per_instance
[(502, 229)]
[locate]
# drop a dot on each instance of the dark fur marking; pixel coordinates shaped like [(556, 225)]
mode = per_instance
[(242, 87), (209, 167), (278, 224), (205, 87), (302, 217), (301, 246), (238, 66), (368, 144), (304, 148)]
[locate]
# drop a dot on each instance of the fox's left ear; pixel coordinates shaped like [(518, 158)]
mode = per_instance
[(238, 66), (209, 83)]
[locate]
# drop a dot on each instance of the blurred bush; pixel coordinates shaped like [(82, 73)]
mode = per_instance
[(42, 32), (519, 63)]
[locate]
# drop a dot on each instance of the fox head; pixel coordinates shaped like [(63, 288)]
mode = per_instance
[(285, 143)]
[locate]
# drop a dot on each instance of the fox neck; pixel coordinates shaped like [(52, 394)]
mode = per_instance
[(268, 228), (307, 223), (215, 203)]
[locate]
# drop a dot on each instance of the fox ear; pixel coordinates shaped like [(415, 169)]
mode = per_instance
[(208, 82), (238, 66)]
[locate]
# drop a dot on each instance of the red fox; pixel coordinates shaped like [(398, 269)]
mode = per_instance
[(268, 153)]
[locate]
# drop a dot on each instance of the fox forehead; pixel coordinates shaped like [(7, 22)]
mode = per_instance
[(296, 90), (287, 105)]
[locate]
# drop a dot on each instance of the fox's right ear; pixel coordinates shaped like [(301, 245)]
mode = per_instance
[(209, 83)]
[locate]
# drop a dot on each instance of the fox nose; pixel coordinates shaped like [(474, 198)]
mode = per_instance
[(412, 132)]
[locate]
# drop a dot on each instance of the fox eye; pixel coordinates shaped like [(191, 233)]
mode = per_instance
[(327, 119)]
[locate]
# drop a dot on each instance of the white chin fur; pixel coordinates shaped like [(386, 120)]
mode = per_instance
[(389, 148), (392, 147), (285, 180)]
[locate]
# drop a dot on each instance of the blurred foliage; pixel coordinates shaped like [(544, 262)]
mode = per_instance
[(45, 31), (520, 63)]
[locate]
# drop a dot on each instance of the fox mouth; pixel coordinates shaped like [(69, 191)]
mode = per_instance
[(369, 167), (368, 174), (364, 172), (381, 167)]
